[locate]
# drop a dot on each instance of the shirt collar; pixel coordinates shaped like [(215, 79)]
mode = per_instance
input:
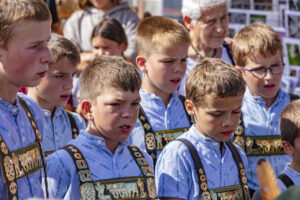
[(248, 97)]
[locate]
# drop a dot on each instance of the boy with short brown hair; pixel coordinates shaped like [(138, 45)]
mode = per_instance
[(53, 93), (203, 163), (24, 59), (162, 46), (100, 163), (257, 51)]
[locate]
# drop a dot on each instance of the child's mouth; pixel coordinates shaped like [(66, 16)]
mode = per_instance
[(125, 129), (269, 87), (42, 74), (227, 133), (65, 97), (176, 81)]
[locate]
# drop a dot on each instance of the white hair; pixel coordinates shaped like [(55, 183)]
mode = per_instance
[(194, 8)]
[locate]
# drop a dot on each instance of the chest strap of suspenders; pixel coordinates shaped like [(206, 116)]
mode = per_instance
[(203, 186), (259, 145), (150, 140), (89, 190), (9, 172), (286, 180), (74, 127)]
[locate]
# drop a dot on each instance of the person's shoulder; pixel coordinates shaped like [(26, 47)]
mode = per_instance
[(33, 106), (124, 12), (76, 15)]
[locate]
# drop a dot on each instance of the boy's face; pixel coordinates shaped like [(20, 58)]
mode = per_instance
[(114, 114), (211, 28), (103, 46), (55, 89), (163, 70), (218, 117), (267, 86), (25, 60)]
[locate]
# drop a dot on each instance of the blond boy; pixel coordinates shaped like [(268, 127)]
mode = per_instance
[(258, 55), (162, 46), (100, 163), (202, 163), (24, 58), (53, 93)]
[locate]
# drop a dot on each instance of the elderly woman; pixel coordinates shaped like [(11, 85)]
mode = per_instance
[(207, 22)]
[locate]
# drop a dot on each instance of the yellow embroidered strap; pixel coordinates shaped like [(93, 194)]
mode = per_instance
[(145, 169), (111, 189)]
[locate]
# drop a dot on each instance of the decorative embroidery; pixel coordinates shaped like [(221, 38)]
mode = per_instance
[(119, 188)]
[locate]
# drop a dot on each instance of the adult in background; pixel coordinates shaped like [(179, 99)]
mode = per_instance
[(207, 22), (79, 26)]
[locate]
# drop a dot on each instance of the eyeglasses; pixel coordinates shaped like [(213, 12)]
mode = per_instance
[(260, 72)]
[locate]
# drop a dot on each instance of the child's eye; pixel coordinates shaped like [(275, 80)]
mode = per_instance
[(135, 104), (114, 104), (218, 114), (183, 60), (168, 61), (59, 76), (236, 112)]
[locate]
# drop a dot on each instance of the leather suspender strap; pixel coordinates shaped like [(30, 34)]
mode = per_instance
[(8, 172), (203, 187), (241, 169), (182, 99), (74, 127), (85, 177), (293, 97), (286, 180), (145, 169), (150, 140), (38, 139)]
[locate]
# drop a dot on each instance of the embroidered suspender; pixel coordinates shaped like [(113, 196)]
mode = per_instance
[(74, 128), (151, 142), (146, 170), (203, 187), (259, 145), (286, 180), (22, 162), (135, 187)]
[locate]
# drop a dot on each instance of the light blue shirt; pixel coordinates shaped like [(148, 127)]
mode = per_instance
[(63, 180), (260, 121), (292, 174), (175, 174), (58, 129), (159, 116), (17, 133)]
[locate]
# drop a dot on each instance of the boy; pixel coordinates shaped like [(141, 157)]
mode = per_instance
[(106, 166), (53, 93), (289, 127), (162, 46), (202, 163), (24, 59), (257, 51)]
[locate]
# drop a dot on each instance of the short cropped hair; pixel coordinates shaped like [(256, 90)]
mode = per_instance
[(110, 29), (213, 76), (105, 72), (253, 40), (83, 4), (290, 122), (14, 11), (194, 8), (158, 31), (61, 47)]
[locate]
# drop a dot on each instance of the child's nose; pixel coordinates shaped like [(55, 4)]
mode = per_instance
[(46, 56)]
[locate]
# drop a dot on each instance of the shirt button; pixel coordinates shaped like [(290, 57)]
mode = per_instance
[(99, 141), (56, 138), (271, 127), (23, 139), (215, 143), (14, 111)]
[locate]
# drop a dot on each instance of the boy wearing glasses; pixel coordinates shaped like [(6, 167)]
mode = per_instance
[(258, 55)]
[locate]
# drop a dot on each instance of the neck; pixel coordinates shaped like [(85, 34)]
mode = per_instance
[(199, 53), (295, 166), (33, 93), (8, 91), (164, 96), (110, 144)]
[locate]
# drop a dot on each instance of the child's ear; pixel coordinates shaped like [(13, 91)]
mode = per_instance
[(141, 63), (123, 47), (189, 106), (86, 109), (287, 147), (187, 22)]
